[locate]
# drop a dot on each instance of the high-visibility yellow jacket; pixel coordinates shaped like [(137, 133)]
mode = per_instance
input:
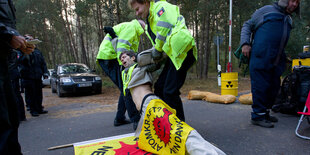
[(172, 35), (128, 34), (126, 77)]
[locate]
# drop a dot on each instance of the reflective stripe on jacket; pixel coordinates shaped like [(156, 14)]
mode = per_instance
[(172, 35), (128, 34)]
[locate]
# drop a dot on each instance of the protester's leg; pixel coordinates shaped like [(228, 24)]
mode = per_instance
[(146, 100), (197, 145)]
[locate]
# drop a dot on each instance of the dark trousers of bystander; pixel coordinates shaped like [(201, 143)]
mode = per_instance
[(8, 114), (33, 94), (19, 99)]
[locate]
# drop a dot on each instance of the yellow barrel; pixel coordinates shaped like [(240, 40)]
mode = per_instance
[(306, 48), (303, 62), (229, 83)]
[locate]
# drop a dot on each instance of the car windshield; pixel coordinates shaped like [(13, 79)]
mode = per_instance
[(66, 69)]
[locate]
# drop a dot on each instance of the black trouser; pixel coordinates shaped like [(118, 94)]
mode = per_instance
[(19, 99), (9, 121), (113, 70), (170, 81), (33, 94)]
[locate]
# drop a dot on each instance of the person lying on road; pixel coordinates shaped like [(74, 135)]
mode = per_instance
[(159, 130)]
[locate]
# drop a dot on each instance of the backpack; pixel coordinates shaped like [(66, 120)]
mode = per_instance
[(293, 91)]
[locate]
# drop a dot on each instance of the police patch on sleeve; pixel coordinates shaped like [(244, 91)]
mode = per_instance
[(160, 12)]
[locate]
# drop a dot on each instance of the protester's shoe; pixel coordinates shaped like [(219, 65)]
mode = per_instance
[(43, 112), (271, 118), (263, 123), (135, 125), (23, 119), (34, 114), (122, 122)]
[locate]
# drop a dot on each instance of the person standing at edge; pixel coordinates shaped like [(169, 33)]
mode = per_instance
[(122, 37), (32, 68), (169, 34), (9, 39), (270, 27)]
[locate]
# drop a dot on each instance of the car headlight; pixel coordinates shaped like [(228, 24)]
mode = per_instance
[(64, 80), (97, 78)]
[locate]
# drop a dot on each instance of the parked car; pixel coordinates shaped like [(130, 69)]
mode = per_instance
[(47, 82), (74, 78)]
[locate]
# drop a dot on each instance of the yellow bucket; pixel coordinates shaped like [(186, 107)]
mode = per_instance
[(229, 83)]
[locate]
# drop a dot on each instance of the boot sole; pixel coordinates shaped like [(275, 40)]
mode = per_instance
[(262, 125)]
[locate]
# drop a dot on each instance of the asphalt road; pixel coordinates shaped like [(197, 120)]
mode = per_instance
[(226, 126)]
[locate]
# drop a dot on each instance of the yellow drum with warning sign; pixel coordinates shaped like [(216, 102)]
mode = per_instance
[(302, 62), (229, 83)]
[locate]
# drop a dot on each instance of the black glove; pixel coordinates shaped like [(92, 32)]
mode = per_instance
[(156, 55), (109, 29)]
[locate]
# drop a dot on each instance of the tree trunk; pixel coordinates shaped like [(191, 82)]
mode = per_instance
[(70, 38), (84, 57), (207, 46)]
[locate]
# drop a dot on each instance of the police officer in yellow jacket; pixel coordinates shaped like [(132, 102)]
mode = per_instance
[(122, 37), (169, 34)]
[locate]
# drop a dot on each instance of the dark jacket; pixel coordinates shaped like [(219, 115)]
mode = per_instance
[(258, 19), (269, 26), (7, 26), (14, 64), (33, 66)]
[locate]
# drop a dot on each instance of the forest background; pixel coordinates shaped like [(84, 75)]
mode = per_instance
[(72, 30)]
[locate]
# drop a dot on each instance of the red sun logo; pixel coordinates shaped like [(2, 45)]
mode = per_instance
[(163, 126), (130, 149)]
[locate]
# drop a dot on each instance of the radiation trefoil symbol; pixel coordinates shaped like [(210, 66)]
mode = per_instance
[(229, 84)]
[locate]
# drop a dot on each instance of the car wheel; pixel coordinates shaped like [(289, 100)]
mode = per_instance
[(59, 93), (53, 89), (98, 91)]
